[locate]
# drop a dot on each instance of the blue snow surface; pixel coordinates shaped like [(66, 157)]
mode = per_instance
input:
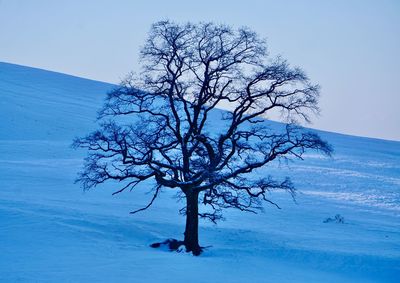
[(52, 231)]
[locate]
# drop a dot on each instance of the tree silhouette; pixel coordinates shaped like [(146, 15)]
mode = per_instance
[(163, 127)]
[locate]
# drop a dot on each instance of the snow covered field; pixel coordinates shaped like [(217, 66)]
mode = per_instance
[(51, 231)]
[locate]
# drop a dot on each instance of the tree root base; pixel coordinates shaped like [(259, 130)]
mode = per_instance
[(177, 246)]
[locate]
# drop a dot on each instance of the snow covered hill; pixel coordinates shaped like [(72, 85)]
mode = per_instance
[(51, 231)]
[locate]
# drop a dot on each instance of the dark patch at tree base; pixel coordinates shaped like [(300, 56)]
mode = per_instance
[(174, 245)]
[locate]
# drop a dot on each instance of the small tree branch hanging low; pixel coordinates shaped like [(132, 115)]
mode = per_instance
[(163, 127)]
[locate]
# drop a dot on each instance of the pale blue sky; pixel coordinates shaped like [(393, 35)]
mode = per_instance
[(351, 48)]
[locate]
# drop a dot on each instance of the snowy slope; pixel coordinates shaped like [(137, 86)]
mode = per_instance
[(50, 231)]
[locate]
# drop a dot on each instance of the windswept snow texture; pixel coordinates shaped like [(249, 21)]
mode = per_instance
[(51, 231)]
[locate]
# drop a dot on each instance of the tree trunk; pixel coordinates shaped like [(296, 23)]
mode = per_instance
[(192, 223)]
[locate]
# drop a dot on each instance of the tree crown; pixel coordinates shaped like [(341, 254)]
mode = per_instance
[(170, 135)]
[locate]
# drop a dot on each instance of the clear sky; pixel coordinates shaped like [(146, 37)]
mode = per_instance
[(351, 48)]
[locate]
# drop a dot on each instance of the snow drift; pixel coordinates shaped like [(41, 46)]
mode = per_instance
[(53, 232)]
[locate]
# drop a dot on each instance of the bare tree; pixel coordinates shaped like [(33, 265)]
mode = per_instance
[(161, 127)]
